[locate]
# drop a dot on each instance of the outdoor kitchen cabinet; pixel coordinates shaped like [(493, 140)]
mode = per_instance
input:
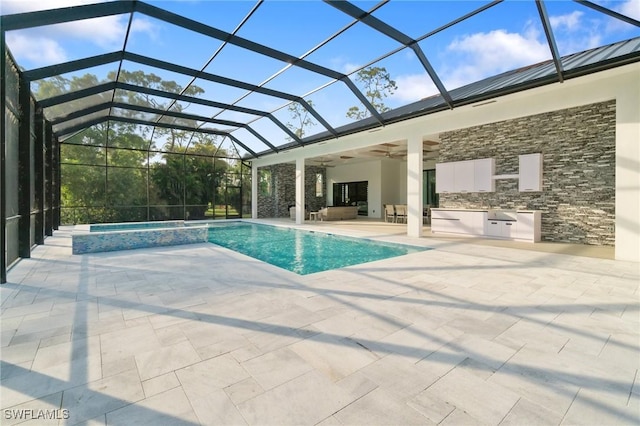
[(530, 173), (520, 225), (466, 176)]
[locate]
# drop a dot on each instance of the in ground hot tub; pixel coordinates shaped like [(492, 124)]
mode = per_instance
[(135, 235)]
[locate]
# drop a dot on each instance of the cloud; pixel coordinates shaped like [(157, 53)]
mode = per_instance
[(348, 68), (473, 57), (46, 45), (414, 87), (344, 66), (574, 33), (342, 63), (630, 8), (107, 32), (145, 26), (569, 22), (476, 56), (36, 50), (577, 31)]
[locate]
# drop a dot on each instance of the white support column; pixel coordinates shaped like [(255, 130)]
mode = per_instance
[(299, 191), (414, 186), (254, 191), (627, 172)]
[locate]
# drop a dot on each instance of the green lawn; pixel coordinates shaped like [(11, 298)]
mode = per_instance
[(221, 211)]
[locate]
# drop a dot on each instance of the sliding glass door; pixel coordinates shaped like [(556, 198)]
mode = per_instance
[(429, 195), (352, 194)]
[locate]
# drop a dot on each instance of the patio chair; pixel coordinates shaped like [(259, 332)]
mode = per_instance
[(401, 213), (389, 213), (426, 214)]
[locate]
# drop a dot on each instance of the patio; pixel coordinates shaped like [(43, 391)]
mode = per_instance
[(463, 334)]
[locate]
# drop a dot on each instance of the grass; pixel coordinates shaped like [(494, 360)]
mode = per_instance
[(221, 210)]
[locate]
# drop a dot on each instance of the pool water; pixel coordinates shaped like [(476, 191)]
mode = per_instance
[(302, 252)]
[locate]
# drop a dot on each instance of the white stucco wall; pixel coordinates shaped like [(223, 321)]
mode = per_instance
[(370, 171), (628, 168), (394, 182)]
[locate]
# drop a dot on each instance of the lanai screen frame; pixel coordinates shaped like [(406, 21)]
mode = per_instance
[(70, 14), (39, 160)]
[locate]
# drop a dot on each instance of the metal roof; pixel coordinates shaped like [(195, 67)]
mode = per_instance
[(251, 113)]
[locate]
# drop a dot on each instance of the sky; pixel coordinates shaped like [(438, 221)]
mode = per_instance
[(502, 38)]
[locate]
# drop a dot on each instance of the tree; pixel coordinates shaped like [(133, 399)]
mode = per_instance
[(172, 137), (378, 85), (301, 117), (194, 177), (97, 181), (101, 183)]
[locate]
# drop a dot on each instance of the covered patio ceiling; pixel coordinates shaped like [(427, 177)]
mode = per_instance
[(259, 64), (394, 150)]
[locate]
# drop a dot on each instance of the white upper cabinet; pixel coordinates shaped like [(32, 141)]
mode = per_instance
[(483, 170), (530, 172), (463, 176), (466, 176), (445, 181)]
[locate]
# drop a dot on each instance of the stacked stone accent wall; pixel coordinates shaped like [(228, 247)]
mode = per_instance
[(283, 192), (578, 146)]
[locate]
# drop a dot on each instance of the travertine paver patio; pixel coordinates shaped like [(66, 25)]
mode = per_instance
[(463, 334)]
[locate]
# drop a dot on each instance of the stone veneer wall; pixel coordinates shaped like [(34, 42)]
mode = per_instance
[(283, 193), (578, 146)]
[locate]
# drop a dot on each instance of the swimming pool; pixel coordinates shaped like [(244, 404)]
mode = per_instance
[(299, 251)]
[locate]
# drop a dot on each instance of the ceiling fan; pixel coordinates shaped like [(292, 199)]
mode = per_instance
[(323, 163), (428, 154), (387, 152), (429, 151)]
